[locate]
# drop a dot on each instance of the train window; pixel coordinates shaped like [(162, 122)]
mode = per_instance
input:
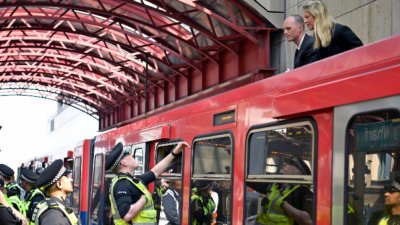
[(279, 158), (96, 188), (175, 168), (139, 154), (169, 182), (211, 178), (373, 163), (77, 181)]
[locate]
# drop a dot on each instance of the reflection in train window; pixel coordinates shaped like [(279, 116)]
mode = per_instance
[(373, 156), (170, 179), (77, 181), (139, 154), (175, 168), (281, 158), (212, 163)]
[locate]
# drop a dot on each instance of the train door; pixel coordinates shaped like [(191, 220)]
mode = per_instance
[(81, 178), (169, 184), (280, 171), (96, 196), (366, 157), (212, 177)]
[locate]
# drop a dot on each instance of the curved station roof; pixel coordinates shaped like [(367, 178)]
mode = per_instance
[(109, 58)]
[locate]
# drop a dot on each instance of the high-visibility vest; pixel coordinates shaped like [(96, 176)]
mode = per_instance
[(273, 214), (11, 187), (384, 221), (147, 216), (208, 206), (15, 201), (52, 204), (28, 200)]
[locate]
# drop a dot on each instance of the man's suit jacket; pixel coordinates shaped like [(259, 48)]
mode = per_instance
[(306, 54), (343, 39)]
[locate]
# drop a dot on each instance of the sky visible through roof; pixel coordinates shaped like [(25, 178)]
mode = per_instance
[(24, 122)]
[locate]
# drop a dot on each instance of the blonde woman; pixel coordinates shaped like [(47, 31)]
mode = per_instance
[(330, 38)]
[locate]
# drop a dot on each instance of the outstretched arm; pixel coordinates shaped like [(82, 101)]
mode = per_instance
[(163, 164)]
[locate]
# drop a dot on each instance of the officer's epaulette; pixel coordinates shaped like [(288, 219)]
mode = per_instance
[(52, 203), (135, 179)]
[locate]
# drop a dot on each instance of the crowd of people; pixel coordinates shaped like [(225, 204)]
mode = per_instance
[(46, 203)]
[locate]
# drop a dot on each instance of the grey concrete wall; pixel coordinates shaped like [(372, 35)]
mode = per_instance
[(371, 20)]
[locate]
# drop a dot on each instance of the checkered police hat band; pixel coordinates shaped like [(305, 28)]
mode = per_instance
[(396, 185), (56, 178), (123, 153), (27, 179)]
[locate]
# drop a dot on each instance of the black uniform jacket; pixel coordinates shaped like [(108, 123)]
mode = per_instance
[(306, 54), (343, 39)]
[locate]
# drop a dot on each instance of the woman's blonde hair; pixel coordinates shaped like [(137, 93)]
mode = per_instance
[(323, 24)]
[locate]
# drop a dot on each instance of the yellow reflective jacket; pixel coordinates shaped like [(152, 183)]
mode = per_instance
[(148, 215)]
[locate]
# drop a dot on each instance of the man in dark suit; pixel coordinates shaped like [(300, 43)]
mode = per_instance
[(293, 27)]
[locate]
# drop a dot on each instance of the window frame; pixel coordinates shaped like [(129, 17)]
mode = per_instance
[(214, 177), (206, 176), (271, 178), (77, 204), (156, 160)]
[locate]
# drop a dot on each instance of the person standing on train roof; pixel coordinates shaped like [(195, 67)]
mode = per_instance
[(56, 182), (14, 191), (8, 214), (330, 38), (131, 202), (293, 29), (392, 204), (33, 195)]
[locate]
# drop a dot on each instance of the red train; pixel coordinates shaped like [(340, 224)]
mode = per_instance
[(340, 117)]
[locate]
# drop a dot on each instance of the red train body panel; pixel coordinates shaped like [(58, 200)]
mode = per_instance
[(308, 99)]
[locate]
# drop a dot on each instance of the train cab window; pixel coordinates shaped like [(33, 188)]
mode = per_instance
[(96, 189), (373, 164), (76, 183), (169, 184), (211, 179), (279, 170)]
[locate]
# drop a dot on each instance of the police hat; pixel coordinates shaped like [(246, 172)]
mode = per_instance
[(6, 171), (114, 156), (51, 174), (203, 184), (394, 186), (29, 176)]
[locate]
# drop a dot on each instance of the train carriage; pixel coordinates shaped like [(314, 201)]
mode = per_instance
[(336, 120)]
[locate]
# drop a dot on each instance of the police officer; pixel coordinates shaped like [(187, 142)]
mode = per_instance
[(55, 210), (159, 190), (131, 202), (14, 191), (33, 195), (202, 204), (9, 215), (392, 203), (286, 204)]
